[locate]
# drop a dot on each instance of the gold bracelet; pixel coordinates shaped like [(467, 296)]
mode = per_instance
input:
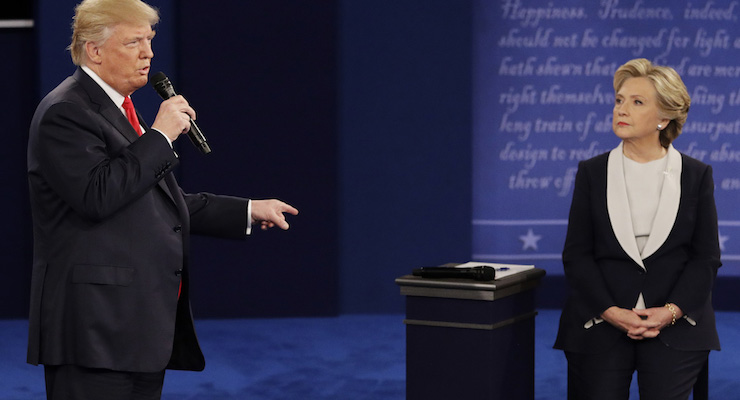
[(672, 309)]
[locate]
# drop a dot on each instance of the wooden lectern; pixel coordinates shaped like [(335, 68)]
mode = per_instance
[(470, 340)]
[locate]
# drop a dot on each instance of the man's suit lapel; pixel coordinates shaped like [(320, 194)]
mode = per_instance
[(113, 115), (619, 210), (106, 108)]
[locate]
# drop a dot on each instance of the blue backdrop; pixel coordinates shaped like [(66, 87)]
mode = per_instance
[(543, 100), (371, 115)]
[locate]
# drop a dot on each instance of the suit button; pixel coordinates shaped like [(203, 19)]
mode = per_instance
[(177, 228), (178, 272)]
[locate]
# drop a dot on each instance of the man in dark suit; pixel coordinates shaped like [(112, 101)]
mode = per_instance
[(109, 299)]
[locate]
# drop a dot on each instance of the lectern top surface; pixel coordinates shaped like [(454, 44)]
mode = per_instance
[(469, 284)]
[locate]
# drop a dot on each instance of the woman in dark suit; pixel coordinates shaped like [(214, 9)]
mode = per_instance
[(642, 251)]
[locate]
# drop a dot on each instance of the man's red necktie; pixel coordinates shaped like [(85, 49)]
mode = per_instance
[(128, 106)]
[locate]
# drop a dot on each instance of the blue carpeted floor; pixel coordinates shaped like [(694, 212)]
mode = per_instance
[(359, 357)]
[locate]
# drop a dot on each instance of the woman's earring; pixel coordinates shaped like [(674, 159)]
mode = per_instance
[(660, 127)]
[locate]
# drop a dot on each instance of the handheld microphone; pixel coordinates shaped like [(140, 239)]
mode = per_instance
[(164, 88), (480, 273)]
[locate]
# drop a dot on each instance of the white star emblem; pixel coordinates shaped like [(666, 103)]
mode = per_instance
[(530, 240), (722, 240)]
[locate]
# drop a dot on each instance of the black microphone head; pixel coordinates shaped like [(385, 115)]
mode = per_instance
[(479, 273), (162, 85), (485, 273), (159, 76)]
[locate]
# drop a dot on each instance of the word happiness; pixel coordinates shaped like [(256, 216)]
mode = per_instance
[(610, 10)]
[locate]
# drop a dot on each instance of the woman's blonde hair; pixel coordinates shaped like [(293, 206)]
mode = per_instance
[(673, 98), (94, 21)]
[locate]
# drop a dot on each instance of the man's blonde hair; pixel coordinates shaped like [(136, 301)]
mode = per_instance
[(94, 21)]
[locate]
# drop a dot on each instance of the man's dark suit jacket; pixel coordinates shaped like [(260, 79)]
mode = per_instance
[(604, 268), (111, 229)]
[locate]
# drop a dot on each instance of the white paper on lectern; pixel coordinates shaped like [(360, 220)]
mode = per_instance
[(502, 270)]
